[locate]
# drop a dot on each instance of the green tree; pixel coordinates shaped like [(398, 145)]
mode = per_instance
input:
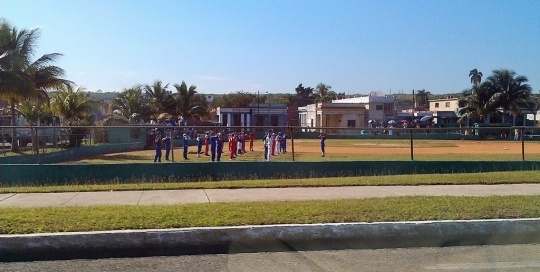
[(304, 92), (324, 93), (475, 76), (477, 104), (304, 96), (511, 93), (69, 103), (76, 110), (20, 77), (131, 102), (159, 98), (184, 97), (33, 110), (199, 108), (239, 99)]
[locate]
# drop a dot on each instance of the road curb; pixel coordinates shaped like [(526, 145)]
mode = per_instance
[(267, 238)]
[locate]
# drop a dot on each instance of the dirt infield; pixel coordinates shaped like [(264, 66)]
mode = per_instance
[(420, 147), (359, 149)]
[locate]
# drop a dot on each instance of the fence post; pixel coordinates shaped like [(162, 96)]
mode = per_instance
[(522, 143), (291, 132), (171, 135), (36, 141), (3, 144), (412, 149)]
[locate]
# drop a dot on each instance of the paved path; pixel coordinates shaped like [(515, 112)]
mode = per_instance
[(255, 194)]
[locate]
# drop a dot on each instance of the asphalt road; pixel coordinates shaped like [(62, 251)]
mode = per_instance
[(470, 258)]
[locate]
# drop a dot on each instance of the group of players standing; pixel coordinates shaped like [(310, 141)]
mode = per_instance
[(212, 142), (274, 144)]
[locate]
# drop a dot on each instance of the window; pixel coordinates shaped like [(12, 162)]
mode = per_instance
[(274, 120), (236, 120), (260, 120), (378, 107), (436, 105), (351, 123), (447, 104)]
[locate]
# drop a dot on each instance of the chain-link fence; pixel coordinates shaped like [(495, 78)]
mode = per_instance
[(128, 144)]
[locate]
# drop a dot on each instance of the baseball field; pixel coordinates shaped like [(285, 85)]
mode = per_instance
[(358, 149)]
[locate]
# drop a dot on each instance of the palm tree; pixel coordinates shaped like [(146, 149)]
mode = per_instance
[(185, 101), (324, 94), (76, 110), (70, 103), (33, 110), (475, 76), (478, 104), (511, 92), (131, 101), (159, 98), (20, 78)]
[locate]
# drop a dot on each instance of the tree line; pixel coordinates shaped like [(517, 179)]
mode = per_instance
[(503, 92)]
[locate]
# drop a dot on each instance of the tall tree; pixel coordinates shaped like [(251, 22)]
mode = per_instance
[(478, 104), (159, 98), (33, 110), (69, 103), (324, 93), (184, 101), (77, 111), (511, 92), (131, 102), (20, 77), (304, 96), (475, 76)]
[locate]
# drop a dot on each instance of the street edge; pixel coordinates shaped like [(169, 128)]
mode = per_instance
[(267, 238)]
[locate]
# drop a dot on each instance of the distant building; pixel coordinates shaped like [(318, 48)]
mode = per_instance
[(209, 98), (256, 114), (345, 115), (445, 110), (379, 108)]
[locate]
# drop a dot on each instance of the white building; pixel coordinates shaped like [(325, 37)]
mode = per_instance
[(379, 108), (256, 114), (444, 110), (346, 115)]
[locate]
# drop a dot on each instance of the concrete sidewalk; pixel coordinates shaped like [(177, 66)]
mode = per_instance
[(255, 194)]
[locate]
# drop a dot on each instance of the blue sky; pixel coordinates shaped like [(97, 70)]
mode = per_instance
[(272, 46)]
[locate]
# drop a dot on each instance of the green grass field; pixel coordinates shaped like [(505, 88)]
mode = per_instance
[(417, 208)]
